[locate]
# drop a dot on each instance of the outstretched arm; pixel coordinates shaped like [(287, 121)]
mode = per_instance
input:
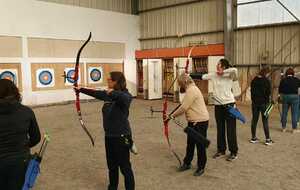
[(202, 76), (98, 94)]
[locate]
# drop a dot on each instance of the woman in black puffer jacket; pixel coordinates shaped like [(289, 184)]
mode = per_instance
[(19, 132)]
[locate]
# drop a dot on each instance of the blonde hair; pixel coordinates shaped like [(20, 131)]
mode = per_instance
[(184, 80)]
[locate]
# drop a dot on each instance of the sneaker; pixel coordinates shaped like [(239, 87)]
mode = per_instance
[(218, 154), (184, 167), (269, 142), (283, 130), (295, 131), (133, 149), (231, 157), (198, 172), (254, 140)]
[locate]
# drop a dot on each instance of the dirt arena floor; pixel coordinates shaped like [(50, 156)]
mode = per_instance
[(71, 163)]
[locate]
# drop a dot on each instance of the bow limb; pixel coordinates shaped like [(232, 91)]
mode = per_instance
[(166, 129), (186, 69), (77, 101)]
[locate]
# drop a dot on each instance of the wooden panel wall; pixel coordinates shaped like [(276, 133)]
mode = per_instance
[(41, 47), (270, 44), (10, 46), (172, 25)]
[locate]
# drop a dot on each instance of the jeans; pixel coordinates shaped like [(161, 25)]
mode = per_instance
[(290, 100), (256, 109)]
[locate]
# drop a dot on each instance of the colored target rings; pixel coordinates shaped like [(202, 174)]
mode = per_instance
[(8, 75), (45, 77), (70, 76), (95, 75)]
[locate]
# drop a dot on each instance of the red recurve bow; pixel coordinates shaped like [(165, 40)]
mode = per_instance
[(165, 109), (77, 101)]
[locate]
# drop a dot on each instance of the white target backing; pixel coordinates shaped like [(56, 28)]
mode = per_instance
[(45, 78), (11, 74), (95, 75)]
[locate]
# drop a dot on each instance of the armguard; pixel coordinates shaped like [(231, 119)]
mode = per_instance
[(196, 76)]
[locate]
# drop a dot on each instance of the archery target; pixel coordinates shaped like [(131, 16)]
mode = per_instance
[(95, 75), (45, 78), (70, 73), (10, 74)]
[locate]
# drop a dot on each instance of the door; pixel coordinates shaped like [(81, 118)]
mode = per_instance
[(154, 79)]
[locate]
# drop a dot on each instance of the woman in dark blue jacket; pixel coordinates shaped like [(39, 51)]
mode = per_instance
[(118, 139), (19, 132), (288, 90)]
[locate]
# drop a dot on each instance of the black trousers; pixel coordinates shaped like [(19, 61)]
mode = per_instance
[(12, 175), (200, 127), (226, 123), (118, 156), (256, 109)]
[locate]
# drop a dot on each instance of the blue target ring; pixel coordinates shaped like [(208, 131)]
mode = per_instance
[(8, 75), (95, 75), (70, 76), (45, 77)]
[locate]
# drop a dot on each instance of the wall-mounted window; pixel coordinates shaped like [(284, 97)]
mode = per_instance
[(261, 12)]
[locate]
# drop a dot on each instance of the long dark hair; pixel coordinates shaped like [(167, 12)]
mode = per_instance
[(120, 80), (225, 63), (9, 91)]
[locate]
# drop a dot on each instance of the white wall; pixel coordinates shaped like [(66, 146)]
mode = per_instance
[(31, 18)]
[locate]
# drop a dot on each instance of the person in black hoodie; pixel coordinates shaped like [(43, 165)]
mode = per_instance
[(260, 96), (118, 140), (19, 131)]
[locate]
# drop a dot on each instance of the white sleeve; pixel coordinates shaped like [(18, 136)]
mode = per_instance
[(231, 72), (208, 76)]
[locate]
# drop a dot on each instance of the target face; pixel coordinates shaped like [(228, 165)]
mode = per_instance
[(95, 75), (10, 74), (70, 76), (70, 73), (45, 78)]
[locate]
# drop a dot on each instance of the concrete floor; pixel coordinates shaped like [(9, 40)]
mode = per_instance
[(70, 162)]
